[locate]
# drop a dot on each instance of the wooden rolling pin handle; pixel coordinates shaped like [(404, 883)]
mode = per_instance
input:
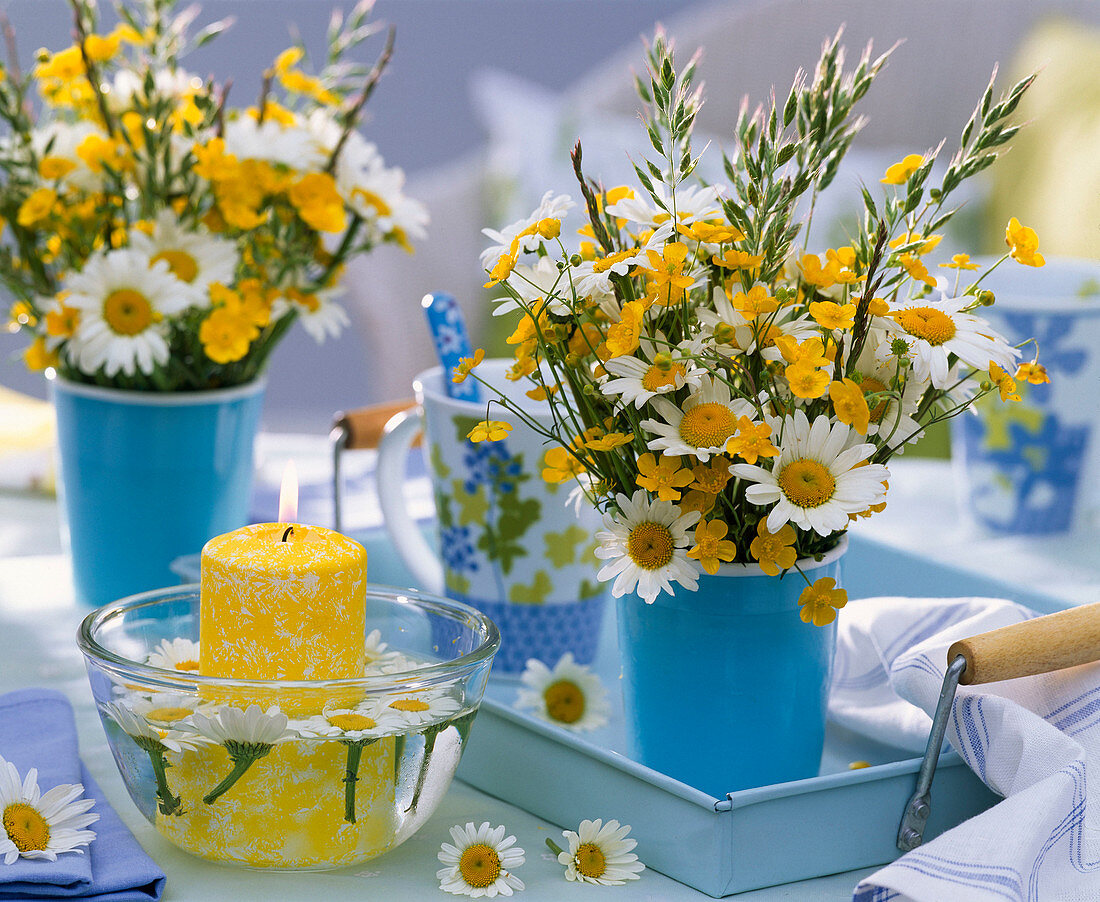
[(1063, 639), (363, 426)]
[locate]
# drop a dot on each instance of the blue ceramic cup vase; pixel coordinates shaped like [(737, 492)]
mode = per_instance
[(726, 688), (145, 477)]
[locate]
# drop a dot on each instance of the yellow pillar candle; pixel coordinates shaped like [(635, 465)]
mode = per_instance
[(282, 610)]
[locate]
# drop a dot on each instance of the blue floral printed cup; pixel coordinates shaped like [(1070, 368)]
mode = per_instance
[(508, 543), (1031, 466)]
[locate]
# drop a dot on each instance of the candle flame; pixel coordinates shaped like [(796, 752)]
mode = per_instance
[(288, 494)]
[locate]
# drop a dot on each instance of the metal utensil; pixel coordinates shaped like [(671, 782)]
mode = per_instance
[(1054, 642)]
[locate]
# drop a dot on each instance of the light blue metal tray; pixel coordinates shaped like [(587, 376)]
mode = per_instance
[(839, 821)]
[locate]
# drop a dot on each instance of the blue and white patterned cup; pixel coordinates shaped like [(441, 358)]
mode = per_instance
[(1031, 466), (509, 544)]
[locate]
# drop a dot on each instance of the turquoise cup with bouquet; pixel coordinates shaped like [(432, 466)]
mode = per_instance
[(509, 544)]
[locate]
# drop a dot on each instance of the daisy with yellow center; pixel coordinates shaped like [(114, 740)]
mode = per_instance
[(522, 236), (935, 330), (480, 862), (774, 551), (816, 480), (123, 300), (595, 278), (599, 853), (422, 706), (175, 654), (658, 370), (692, 203), (712, 548), (820, 602), (569, 695), (702, 426), (194, 255), (645, 546), (41, 825)]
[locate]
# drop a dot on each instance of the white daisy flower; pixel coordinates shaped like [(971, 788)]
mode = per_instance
[(194, 255), (552, 206), (376, 192), (936, 329), (570, 695), (123, 300), (41, 825), (815, 482), (252, 726), (320, 315), (592, 278), (61, 139), (691, 204), (270, 140), (535, 284), (645, 546), (480, 862), (175, 735), (891, 418), (168, 84), (175, 654), (702, 426), (423, 706), (371, 720), (638, 379), (600, 853), (376, 652)]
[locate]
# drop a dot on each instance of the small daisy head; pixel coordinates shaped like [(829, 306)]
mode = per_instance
[(569, 695), (600, 853), (480, 862), (422, 706), (175, 654), (34, 824)]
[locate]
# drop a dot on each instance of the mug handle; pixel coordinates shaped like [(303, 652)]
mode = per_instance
[(393, 451)]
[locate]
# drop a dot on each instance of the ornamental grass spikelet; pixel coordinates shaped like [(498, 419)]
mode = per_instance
[(699, 323)]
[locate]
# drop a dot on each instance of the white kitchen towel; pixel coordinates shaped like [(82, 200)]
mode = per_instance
[(1035, 741)]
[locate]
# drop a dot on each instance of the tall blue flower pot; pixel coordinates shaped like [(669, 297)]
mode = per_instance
[(148, 476), (726, 688)]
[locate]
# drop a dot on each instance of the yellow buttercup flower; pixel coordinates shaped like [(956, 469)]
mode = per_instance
[(960, 261), (38, 357), (916, 269), (806, 381), (465, 365), (489, 431), (773, 551), (711, 545), (899, 173), (99, 153), (832, 315), (755, 302), (62, 321), (663, 479), (666, 280), (821, 601), (37, 207), (560, 465), (711, 233), (1005, 384), (810, 352), (850, 405), (1034, 373), (624, 336), (1023, 244), (711, 477), (609, 441), (735, 260), (22, 314), (53, 167), (226, 335), (927, 245), (318, 202), (752, 441)]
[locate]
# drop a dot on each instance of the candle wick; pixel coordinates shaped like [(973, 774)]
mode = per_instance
[(289, 530)]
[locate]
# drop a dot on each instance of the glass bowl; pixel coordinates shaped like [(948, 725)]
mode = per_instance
[(288, 774)]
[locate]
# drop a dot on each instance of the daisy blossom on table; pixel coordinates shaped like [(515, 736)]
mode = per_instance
[(600, 853), (645, 546), (816, 480), (41, 825), (480, 862), (123, 299), (569, 695)]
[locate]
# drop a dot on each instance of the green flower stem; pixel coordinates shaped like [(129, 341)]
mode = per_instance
[(166, 802), (355, 752), (244, 755), (462, 724), (430, 735), (554, 847)]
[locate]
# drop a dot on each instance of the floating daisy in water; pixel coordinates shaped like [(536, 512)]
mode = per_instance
[(570, 695), (377, 653), (935, 330), (123, 300), (702, 426), (599, 853), (175, 654), (423, 706), (169, 726), (370, 720), (817, 480), (41, 825), (195, 256), (480, 862), (645, 546), (247, 735)]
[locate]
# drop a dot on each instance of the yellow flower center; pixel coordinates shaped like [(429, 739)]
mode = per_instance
[(409, 704), (590, 860), (128, 312), (933, 325), (564, 701), (650, 545), (479, 865), (354, 721), (26, 827), (806, 482), (870, 386), (655, 378), (187, 665), (168, 715), (707, 425), (181, 263)]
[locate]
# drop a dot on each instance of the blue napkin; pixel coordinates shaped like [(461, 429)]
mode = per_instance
[(37, 730)]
